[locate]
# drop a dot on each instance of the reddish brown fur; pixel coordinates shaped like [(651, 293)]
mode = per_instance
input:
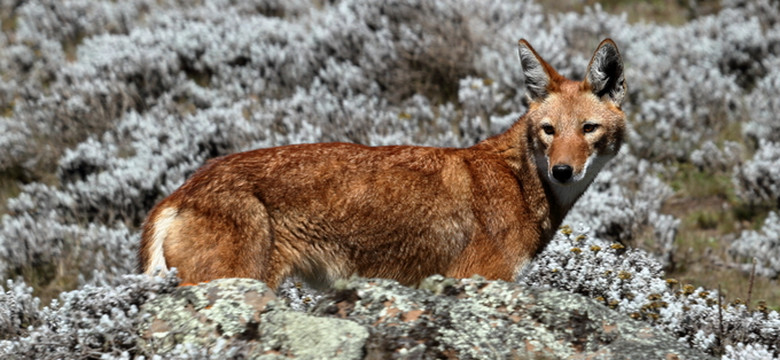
[(324, 211)]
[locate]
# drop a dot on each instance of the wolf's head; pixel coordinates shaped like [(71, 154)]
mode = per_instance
[(574, 127)]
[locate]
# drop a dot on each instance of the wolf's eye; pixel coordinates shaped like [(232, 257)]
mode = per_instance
[(589, 128), (548, 129)]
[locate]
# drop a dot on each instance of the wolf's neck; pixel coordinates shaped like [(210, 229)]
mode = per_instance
[(514, 147)]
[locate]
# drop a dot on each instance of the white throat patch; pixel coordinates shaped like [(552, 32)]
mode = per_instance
[(566, 194)]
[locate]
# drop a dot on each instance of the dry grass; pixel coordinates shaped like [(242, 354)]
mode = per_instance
[(712, 217), (50, 279), (9, 188)]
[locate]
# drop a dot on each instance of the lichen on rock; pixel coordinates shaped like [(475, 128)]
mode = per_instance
[(475, 318), (242, 317)]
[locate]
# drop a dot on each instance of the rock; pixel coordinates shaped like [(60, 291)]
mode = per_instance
[(379, 319), (242, 317), (477, 319)]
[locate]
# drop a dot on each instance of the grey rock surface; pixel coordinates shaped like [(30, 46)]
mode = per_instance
[(477, 319), (380, 319), (242, 318)]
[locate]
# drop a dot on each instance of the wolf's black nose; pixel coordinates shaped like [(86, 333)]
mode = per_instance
[(562, 173)]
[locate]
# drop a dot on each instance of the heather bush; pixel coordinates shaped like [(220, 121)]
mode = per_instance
[(763, 246), (14, 142), (19, 310), (763, 105), (624, 205), (92, 322), (632, 282), (757, 181), (709, 157), (690, 83), (77, 19)]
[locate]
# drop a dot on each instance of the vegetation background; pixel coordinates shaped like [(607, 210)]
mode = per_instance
[(107, 106)]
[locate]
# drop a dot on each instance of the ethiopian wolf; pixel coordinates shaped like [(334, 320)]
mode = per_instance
[(327, 211)]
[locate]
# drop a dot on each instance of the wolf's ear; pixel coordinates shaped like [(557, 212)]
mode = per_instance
[(537, 72), (605, 73)]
